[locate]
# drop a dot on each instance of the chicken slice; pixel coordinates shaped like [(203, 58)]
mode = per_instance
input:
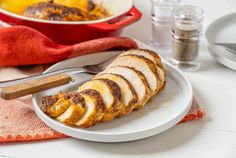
[(136, 79), (48, 101), (72, 114), (75, 111), (128, 95), (95, 108), (151, 55), (144, 65), (110, 93), (60, 106)]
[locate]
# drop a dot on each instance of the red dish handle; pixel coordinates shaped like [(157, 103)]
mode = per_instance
[(133, 15)]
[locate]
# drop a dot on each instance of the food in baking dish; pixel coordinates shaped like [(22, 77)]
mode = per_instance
[(57, 10)]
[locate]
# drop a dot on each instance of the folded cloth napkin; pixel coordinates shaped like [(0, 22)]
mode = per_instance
[(19, 123), (20, 45)]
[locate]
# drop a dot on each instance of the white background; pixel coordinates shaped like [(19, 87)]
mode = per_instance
[(214, 86)]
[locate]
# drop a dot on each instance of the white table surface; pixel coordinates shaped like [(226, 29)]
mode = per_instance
[(214, 86)]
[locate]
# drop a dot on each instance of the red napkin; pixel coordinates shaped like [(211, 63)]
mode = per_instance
[(20, 45)]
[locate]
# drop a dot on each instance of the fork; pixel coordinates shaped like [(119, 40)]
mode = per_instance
[(16, 88)]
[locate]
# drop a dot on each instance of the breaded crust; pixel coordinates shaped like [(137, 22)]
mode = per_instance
[(153, 56), (162, 72), (128, 100), (148, 89), (60, 106), (140, 52), (142, 64), (76, 98), (48, 101), (140, 77), (110, 93), (72, 114), (95, 108), (111, 113), (75, 111)]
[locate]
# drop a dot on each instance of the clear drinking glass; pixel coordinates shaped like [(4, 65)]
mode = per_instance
[(161, 25), (186, 36)]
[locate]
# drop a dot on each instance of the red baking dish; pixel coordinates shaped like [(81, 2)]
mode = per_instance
[(65, 32)]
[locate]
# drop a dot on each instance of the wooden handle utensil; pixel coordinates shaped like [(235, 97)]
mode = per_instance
[(34, 86)]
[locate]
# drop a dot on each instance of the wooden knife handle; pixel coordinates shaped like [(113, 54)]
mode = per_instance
[(34, 86)]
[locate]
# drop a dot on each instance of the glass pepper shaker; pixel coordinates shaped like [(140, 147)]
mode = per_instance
[(161, 25), (186, 35)]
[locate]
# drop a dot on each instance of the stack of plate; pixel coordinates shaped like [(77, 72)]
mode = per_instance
[(222, 31)]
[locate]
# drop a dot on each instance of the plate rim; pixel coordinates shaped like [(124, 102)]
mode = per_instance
[(152, 131), (212, 51)]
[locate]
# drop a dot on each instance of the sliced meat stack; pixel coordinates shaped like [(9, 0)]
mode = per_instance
[(127, 84)]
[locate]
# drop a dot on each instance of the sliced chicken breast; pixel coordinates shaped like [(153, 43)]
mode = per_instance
[(95, 108), (128, 95), (136, 79), (142, 64), (110, 93), (75, 111), (151, 55)]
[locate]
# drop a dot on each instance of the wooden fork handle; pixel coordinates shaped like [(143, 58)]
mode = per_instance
[(34, 86)]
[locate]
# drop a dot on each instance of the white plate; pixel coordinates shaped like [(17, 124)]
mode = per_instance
[(222, 30), (163, 112)]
